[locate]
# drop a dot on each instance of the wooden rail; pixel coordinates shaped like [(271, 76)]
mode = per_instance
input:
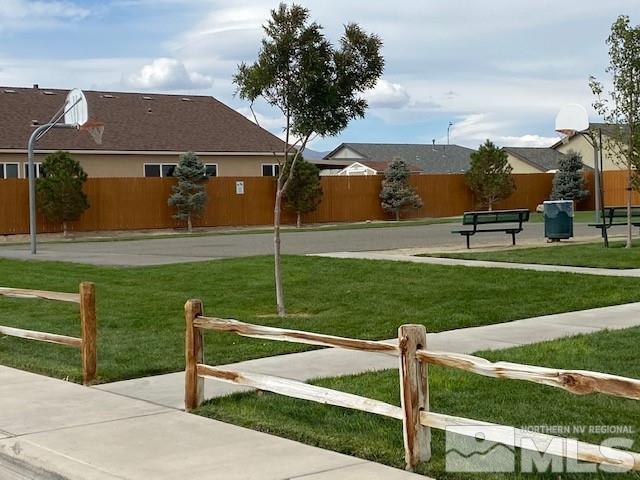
[(414, 411), (87, 341)]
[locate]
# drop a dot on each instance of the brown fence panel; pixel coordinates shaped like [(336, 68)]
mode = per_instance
[(614, 185)]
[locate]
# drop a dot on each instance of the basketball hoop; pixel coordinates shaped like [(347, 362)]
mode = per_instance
[(93, 128)]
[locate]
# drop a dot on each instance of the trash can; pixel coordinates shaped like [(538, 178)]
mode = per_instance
[(558, 219)]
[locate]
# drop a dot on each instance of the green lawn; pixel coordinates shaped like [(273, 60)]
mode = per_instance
[(141, 325), (583, 255), (453, 392)]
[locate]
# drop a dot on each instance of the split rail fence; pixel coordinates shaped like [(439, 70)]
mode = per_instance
[(87, 341), (414, 411)]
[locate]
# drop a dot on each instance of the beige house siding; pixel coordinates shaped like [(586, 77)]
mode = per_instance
[(580, 144), (520, 166), (132, 165), (346, 152)]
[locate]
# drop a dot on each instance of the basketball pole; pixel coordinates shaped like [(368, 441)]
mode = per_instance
[(32, 178)]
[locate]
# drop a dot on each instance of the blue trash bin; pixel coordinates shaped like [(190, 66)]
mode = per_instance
[(558, 219)]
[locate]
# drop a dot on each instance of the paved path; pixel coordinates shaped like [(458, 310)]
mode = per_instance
[(51, 429), (160, 251), (168, 389), (400, 257)]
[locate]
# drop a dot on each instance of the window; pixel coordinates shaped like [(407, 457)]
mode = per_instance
[(151, 170), (211, 169), (270, 169), (36, 166), (159, 169), (9, 170)]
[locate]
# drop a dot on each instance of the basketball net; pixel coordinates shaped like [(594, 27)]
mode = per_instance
[(95, 129)]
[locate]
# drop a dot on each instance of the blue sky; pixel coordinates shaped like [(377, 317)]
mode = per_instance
[(498, 69)]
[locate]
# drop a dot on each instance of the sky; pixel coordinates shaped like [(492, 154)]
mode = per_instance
[(497, 69)]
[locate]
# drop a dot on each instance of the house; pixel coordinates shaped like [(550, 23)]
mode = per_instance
[(144, 134), (581, 143), (367, 167), (533, 159), (427, 158)]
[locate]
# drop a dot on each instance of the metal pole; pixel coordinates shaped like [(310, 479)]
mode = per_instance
[(596, 176), (32, 178)]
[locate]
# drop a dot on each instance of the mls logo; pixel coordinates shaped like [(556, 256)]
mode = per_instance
[(468, 449)]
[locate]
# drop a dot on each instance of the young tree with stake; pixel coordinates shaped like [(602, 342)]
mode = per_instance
[(304, 191), (621, 107), (317, 87), (189, 196), (489, 176), (59, 189)]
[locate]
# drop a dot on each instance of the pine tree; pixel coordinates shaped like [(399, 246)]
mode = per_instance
[(188, 195), (304, 192), (568, 182), (489, 176), (59, 189), (397, 194)]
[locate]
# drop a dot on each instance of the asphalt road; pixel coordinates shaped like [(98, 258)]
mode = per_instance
[(159, 251)]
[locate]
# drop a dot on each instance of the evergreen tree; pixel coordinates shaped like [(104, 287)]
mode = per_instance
[(59, 189), (304, 192), (188, 195), (489, 176), (397, 194), (568, 182)]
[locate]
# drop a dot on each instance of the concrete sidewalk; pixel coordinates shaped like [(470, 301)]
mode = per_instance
[(399, 257), (167, 390), (51, 429)]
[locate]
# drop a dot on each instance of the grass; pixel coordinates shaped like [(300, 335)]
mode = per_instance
[(582, 255), (456, 393), (140, 310)]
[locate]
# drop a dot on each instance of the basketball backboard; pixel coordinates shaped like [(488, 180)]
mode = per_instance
[(571, 119), (76, 109)]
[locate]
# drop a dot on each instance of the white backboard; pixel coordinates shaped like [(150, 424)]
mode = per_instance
[(572, 118), (76, 108)]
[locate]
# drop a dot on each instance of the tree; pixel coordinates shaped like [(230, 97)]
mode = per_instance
[(568, 182), (621, 106), (489, 175), (304, 191), (317, 87), (188, 196), (396, 193), (59, 189)]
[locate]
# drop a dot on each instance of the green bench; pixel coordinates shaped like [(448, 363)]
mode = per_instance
[(617, 217), (479, 221)]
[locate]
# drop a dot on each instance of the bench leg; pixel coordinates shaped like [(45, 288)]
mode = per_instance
[(513, 238), (468, 237)]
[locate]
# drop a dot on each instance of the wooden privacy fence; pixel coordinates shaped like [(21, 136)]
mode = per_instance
[(417, 419), (87, 341), (141, 203)]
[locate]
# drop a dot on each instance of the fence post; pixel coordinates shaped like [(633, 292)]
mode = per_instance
[(88, 328), (194, 385), (414, 395)]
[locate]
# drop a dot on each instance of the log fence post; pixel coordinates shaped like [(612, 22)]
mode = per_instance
[(88, 329), (194, 384), (414, 395)]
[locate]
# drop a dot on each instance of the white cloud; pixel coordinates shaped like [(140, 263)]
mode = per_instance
[(33, 14), (273, 124), (168, 74), (387, 95), (526, 141)]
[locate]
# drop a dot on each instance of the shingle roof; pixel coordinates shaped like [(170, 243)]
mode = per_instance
[(543, 158), (134, 122), (429, 158)]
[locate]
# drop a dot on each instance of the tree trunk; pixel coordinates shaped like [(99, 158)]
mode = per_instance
[(299, 220), (629, 198), (490, 206), (189, 224), (276, 249), (65, 231), (397, 215)]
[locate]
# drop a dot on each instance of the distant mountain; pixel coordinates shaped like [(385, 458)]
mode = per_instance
[(313, 155)]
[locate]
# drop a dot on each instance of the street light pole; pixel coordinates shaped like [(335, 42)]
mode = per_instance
[(37, 134)]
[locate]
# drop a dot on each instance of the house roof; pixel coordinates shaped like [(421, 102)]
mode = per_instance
[(381, 165), (426, 157), (134, 122), (544, 159)]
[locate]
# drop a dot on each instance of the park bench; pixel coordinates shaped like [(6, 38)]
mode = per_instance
[(617, 217), (479, 221)]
